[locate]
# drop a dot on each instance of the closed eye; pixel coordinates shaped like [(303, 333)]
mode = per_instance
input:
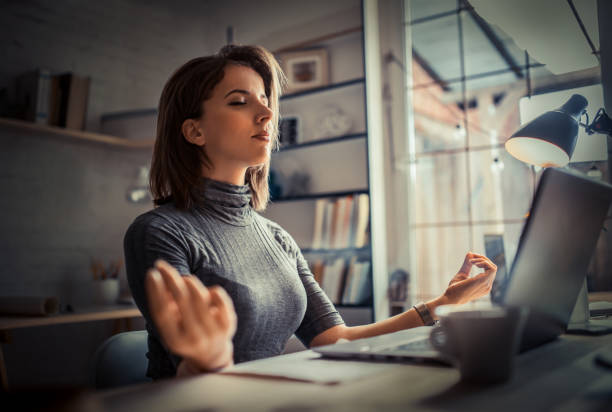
[(236, 103)]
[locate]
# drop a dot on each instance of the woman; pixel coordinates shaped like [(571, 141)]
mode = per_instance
[(217, 123)]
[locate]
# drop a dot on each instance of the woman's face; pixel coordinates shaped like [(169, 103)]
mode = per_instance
[(233, 116)]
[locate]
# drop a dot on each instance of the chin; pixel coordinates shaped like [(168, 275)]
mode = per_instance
[(258, 161)]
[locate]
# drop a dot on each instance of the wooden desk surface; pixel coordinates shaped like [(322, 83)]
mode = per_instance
[(559, 376), (85, 315)]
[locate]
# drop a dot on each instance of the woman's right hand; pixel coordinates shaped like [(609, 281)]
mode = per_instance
[(194, 321)]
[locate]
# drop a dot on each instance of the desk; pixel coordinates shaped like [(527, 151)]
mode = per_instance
[(559, 376), (8, 323)]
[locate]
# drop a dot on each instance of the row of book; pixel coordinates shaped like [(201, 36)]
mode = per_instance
[(344, 281), (342, 222), (56, 100)]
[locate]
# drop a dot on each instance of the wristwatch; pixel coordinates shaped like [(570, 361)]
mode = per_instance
[(424, 313)]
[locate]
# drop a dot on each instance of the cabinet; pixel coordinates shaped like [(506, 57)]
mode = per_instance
[(336, 189)]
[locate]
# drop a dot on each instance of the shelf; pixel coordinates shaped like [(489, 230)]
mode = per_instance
[(315, 196), (78, 134), (347, 83), (323, 141), (318, 40), (336, 251), (356, 306)]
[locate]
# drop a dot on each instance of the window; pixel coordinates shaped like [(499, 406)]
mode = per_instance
[(468, 193)]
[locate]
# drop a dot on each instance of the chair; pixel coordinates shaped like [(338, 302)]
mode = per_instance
[(121, 360)]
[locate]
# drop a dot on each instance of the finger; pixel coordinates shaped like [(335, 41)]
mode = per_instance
[(178, 288), (162, 307), (200, 297), (466, 266), (478, 255), (158, 297), (172, 278), (227, 314), (486, 263)]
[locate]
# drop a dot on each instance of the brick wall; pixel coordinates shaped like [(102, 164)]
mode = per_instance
[(63, 201), (129, 48)]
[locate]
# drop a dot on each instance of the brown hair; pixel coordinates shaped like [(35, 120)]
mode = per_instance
[(176, 167)]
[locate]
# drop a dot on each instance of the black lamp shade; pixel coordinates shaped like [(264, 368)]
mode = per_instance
[(549, 140)]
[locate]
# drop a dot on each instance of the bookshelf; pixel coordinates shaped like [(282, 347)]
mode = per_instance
[(319, 195), (324, 141), (315, 90), (339, 172), (81, 135)]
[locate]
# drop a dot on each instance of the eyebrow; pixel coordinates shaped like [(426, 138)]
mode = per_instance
[(243, 92)]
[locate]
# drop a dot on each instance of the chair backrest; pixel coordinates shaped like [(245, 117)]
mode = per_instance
[(121, 360)]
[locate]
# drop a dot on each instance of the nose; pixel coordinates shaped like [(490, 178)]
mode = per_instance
[(265, 114)]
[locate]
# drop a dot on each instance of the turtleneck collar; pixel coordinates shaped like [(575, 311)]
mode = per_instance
[(228, 202)]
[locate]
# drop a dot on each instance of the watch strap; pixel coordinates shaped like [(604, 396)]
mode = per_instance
[(424, 313)]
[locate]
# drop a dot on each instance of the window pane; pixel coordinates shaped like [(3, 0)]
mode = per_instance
[(480, 47), (438, 121), (425, 8), (436, 48), (493, 110), (441, 189), (501, 186), (440, 253)]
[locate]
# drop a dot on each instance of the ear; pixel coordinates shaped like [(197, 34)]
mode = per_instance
[(192, 132)]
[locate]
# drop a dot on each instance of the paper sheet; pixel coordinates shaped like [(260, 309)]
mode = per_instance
[(308, 366)]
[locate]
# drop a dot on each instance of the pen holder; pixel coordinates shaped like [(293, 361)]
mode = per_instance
[(106, 291)]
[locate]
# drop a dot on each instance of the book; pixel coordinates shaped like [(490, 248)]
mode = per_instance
[(347, 226), (327, 224), (341, 205), (349, 282), (333, 278), (317, 236), (333, 224), (317, 271), (54, 101), (33, 95), (73, 96), (363, 286), (362, 220)]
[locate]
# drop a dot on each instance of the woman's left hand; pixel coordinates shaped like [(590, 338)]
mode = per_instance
[(463, 288)]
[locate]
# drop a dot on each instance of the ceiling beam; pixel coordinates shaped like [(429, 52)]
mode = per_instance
[(494, 39), (430, 71)]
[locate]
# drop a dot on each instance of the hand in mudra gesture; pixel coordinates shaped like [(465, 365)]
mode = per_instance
[(194, 321), (463, 288)]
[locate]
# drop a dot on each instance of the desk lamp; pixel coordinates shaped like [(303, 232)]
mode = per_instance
[(549, 139)]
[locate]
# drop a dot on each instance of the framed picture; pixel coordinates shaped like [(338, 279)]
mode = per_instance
[(305, 69), (289, 130)]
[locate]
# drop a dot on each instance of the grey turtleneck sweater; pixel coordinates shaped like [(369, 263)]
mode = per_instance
[(223, 241)]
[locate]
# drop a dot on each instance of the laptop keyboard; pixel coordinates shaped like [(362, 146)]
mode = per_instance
[(417, 345)]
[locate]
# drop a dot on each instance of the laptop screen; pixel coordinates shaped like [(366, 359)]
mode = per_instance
[(556, 245)]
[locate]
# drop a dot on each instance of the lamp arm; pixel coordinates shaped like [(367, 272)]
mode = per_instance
[(601, 123)]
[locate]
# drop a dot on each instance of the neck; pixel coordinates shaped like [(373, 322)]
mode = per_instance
[(234, 176)]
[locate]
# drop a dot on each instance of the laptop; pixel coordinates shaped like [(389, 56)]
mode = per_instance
[(558, 239)]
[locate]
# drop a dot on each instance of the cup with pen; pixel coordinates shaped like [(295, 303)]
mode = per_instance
[(106, 281)]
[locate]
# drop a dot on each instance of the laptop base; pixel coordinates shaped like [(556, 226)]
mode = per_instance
[(592, 327)]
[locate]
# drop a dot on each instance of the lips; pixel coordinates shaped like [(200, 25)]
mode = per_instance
[(262, 136)]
